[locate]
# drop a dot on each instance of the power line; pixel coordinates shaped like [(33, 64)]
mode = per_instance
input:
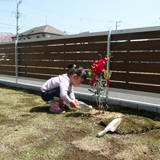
[(123, 22), (59, 18), (8, 27), (9, 0), (59, 15), (7, 24), (154, 22), (66, 15)]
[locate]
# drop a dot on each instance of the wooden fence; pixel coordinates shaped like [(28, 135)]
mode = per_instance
[(135, 62)]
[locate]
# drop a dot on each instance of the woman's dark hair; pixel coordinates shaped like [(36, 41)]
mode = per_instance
[(73, 69)]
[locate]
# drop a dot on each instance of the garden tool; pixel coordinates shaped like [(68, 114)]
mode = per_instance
[(82, 105), (112, 126)]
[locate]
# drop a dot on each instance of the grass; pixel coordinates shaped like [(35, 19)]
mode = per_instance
[(29, 131)]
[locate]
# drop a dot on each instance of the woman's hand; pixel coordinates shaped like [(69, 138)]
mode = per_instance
[(74, 103)]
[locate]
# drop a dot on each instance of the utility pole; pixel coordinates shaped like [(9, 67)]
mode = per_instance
[(16, 42), (17, 16), (117, 24)]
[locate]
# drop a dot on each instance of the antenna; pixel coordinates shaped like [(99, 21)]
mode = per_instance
[(117, 24)]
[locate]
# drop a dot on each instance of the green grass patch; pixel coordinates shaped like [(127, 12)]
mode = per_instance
[(29, 131)]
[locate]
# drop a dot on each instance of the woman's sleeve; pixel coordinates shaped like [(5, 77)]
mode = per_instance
[(72, 95), (64, 91)]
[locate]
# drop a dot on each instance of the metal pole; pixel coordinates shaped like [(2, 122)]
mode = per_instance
[(16, 60), (16, 42), (108, 56), (108, 50)]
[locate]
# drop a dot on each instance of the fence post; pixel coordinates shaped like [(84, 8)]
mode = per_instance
[(16, 59), (108, 55)]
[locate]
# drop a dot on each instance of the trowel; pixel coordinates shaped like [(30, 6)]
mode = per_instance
[(83, 105), (112, 126)]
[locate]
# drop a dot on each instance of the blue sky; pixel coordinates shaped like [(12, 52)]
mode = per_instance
[(75, 16)]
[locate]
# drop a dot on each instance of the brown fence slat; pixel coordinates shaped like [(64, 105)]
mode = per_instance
[(42, 56), (66, 48), (117, 85), (119, 56), (137, 87), (136, 67), (119, 46), (7, 68), (7, 62), (145, 35), (46, 77), (123, 36), (144, 56), (10, 57), (118, 76), (136, 35), (98, 38), (7, 45), (41, 70), (136, 56), (63, 56), (59, 64), (118, 66), (145, 45), (84, 56), (145, 88), (138, 78), (6, 54), (12, 50), (137, 45), (35, 76), (144, 78), (145, 67), (7, 73)]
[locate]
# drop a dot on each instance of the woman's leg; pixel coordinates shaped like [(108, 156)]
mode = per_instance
[(54, 106), (46, 96)]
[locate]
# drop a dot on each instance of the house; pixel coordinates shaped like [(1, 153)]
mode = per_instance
[(40, 32)]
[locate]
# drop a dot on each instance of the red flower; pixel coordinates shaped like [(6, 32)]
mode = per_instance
[(98, 68)]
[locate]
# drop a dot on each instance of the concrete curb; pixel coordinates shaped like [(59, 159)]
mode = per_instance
[(112, 101), (125, 103)]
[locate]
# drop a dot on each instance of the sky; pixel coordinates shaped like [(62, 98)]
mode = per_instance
[(76, 16)]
